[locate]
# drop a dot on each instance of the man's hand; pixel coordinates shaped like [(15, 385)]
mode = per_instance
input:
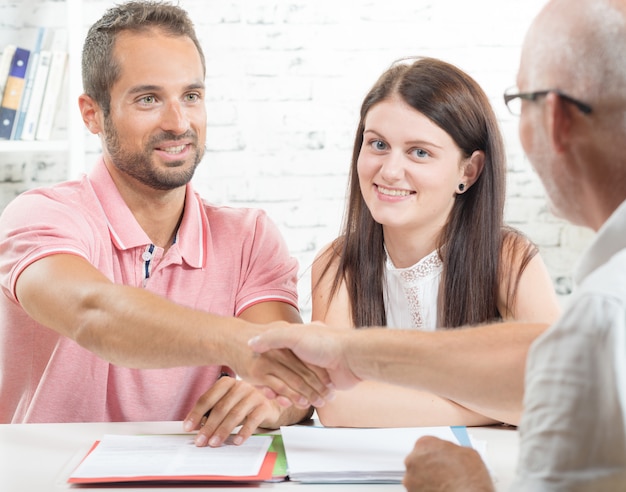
[(292, 382), (316, 345), (435, 465), (284, 377), (228, 404)]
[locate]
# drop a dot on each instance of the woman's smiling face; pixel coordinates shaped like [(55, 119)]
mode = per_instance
[(409, 168)]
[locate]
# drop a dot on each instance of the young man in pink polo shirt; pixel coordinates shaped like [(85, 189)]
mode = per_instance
[(108, 281)]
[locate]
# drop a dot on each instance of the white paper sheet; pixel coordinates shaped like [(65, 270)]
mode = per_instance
[(320, 454), (171, 456)]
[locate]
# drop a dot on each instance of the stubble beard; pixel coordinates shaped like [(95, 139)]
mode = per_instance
[(138, 165)]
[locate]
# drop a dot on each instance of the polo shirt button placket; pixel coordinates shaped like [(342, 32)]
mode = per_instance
[(146, 256)]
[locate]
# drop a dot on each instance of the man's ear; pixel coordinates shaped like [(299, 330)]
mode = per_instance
[(90, 111), (558, 116)]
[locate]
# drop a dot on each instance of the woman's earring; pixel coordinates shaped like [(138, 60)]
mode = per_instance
[(461, 187)]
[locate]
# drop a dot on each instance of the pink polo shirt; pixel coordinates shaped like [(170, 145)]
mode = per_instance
[(224, 260)]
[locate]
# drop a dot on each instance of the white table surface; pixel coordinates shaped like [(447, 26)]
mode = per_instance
[(40, 457)]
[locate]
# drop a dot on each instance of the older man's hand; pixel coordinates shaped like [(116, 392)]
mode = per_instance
[(435, 465), (316, 345)]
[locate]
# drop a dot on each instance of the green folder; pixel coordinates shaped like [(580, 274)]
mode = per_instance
[(280, 467)]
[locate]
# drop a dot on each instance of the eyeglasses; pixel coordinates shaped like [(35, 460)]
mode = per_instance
[(513, 99)]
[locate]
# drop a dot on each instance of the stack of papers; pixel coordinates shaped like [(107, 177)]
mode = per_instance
[(341, 455), (311, 454), (166, 458)]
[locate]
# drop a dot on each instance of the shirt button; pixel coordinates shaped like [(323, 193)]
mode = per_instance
[(147, 256)]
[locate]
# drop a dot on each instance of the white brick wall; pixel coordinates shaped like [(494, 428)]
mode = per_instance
[(285, 82)]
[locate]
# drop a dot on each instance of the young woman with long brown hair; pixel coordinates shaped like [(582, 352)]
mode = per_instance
[(424, 244)]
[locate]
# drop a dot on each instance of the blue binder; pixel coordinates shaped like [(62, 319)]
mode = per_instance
[(13, 92)]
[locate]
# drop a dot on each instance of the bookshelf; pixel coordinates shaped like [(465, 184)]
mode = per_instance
[(72, 142)]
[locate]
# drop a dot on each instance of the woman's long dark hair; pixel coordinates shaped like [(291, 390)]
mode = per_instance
[(471, 243)]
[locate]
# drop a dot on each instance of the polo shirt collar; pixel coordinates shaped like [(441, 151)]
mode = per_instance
[(125, 231)]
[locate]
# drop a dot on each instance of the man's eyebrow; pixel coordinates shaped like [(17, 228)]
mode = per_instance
[(156, 88), (197, 85), (144, 88)]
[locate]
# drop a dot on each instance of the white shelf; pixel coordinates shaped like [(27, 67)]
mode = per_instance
[(7, 146)]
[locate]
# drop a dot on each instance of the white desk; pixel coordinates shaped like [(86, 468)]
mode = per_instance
[(40, 457)]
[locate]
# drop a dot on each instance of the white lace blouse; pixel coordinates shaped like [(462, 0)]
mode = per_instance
[(410, 294)]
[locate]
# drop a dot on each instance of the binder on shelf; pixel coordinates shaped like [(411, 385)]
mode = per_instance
[(52, 40), (31, 118), (5, 66), (13, 92), (28, 86), (52, 94), (54, 84)]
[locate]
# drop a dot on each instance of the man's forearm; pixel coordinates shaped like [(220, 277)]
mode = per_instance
[(125, 325), (481, 368), (158, 333)]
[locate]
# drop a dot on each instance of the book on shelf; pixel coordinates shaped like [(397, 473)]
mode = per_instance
[(28, 86), (5, 66), (13, 91), (57, 45), (31, 117), (43, 86), (52, 95)]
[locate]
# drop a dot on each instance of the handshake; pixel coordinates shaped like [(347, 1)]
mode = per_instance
[(302, 365)]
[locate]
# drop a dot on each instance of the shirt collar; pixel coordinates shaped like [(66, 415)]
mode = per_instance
[(125, 231), (610, 239)]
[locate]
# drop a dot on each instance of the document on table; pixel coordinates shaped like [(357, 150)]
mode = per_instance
[(350, 455), (118, 458)]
